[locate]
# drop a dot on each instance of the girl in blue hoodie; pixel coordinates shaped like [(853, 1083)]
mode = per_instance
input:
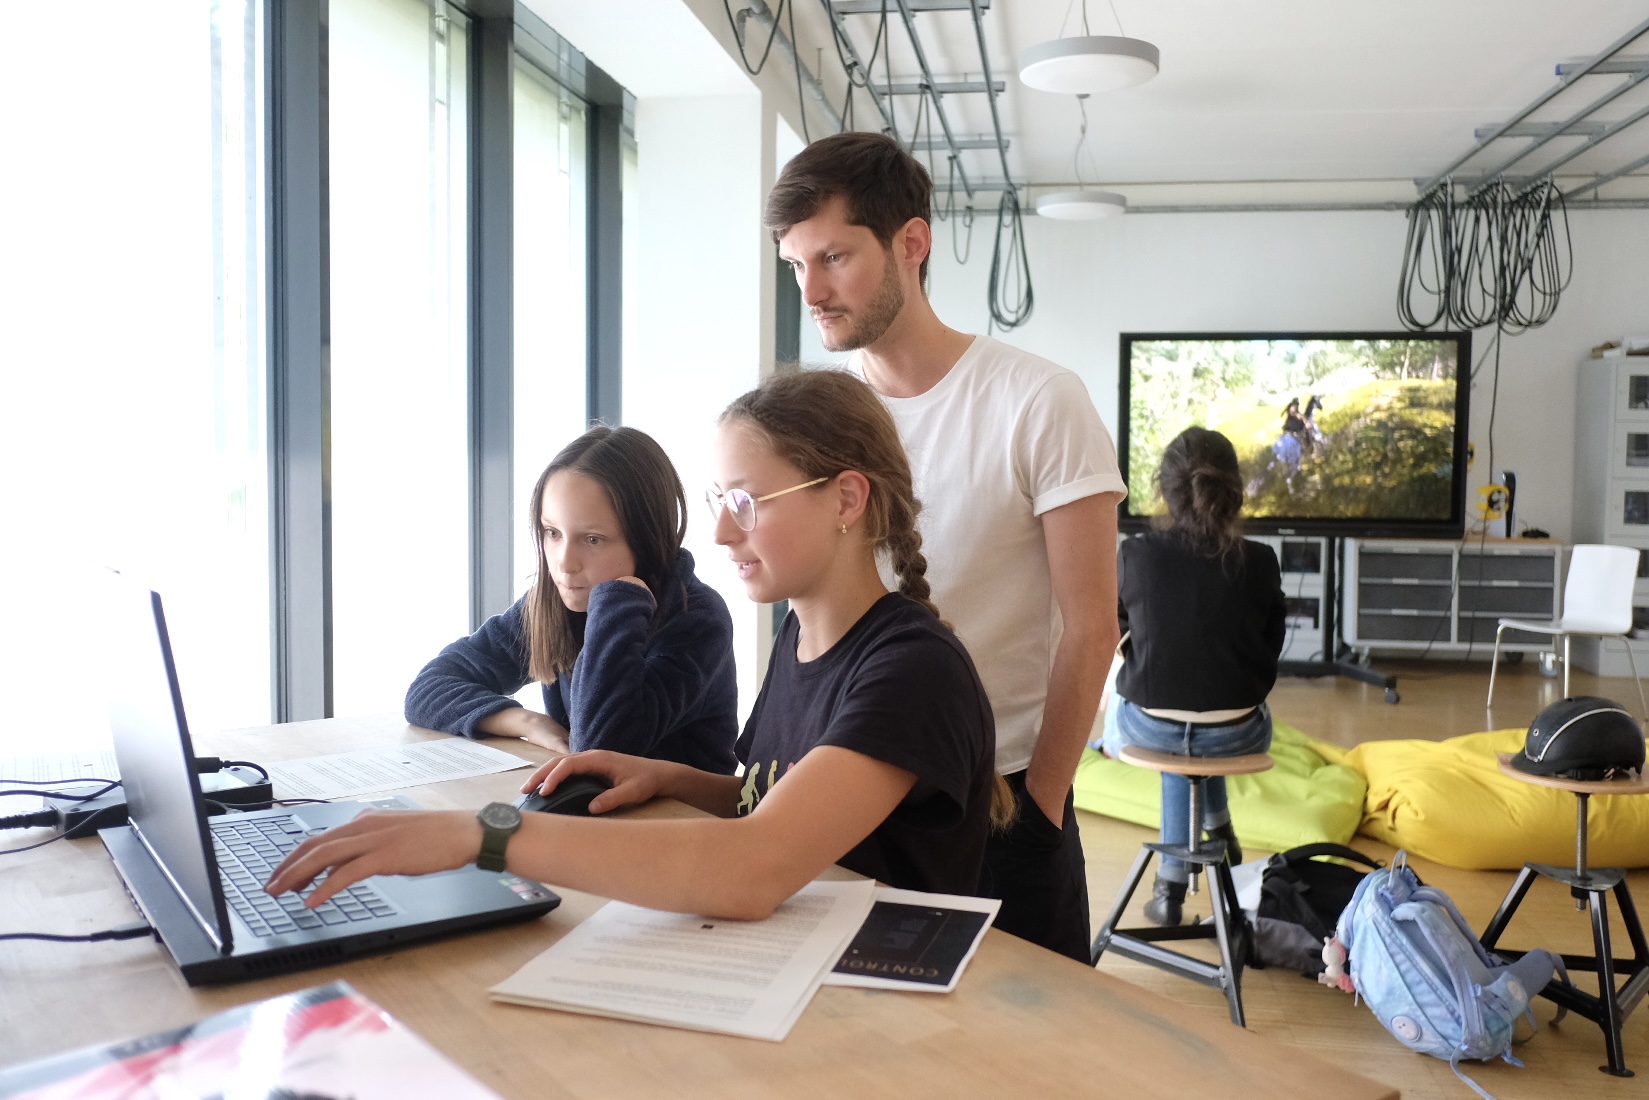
[(634, 652)]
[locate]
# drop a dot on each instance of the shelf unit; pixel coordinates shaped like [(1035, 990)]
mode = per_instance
[(1445, 597), (1611, 490), (1301, 559)]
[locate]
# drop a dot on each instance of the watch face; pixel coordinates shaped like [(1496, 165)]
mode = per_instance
[(499, 815)]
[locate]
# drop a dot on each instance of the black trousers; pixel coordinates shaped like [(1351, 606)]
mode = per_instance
[(1039, 873)]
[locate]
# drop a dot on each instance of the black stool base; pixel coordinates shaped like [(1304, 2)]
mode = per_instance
[(1229, 927), (1612, 1005)]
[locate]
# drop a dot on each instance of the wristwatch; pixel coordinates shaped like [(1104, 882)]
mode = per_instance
[(499, 821)]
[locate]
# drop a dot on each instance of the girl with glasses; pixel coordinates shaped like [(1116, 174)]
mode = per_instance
[(870, 745), (634, 652)]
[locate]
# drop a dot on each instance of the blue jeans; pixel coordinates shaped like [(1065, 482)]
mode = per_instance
[(1126, 724)]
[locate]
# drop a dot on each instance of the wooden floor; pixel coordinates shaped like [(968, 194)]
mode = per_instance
[(1439, 699)]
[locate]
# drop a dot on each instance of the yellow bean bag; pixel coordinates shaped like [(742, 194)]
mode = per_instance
[(1447, 801), (1307, 796)]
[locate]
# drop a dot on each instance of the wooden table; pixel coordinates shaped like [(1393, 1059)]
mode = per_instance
[(1023, 1021)]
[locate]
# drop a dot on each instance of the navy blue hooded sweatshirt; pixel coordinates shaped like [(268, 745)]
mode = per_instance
[(668, 692)]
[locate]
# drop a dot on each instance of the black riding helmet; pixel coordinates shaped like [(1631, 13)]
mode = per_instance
[(1584, 737)]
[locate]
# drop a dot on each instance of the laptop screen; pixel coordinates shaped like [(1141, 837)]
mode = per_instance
[(156, 757)]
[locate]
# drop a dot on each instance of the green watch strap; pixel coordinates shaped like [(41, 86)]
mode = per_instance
[(499, 821)]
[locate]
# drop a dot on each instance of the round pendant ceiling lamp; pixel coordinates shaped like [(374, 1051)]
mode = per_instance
[(1081, 205), (1088, 65)]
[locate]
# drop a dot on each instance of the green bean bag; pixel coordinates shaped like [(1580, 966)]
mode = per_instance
[(1307, 796)]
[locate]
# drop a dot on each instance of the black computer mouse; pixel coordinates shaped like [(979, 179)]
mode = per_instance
[(571, 796)]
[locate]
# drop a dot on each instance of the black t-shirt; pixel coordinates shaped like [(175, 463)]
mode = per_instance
[(900, 688), (1204, 632)]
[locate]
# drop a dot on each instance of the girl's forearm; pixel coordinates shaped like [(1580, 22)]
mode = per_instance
[(530, 725), (707, 791), (720, 868)]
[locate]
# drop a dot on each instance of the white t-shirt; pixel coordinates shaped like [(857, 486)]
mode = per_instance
[(1004, 437)]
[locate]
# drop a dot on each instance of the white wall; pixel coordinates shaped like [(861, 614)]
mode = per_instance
[(699, 304), (1189, 272)]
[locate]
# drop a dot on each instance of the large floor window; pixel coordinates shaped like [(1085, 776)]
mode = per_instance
[(131, 396), (550, 276), (399, 343)]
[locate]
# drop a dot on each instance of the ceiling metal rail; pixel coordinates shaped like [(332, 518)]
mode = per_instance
[(978, 8), (938, 101), (933, 88), (845, 40), (761, 13), (1637, 69)]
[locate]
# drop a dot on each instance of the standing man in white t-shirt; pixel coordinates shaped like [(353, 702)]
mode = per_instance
[(1019, 486)]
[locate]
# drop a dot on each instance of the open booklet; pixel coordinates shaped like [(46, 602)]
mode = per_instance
[(750, 978), (321, 1042)]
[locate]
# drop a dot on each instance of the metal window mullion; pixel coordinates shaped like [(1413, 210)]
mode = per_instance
[(604, 247), (492, 314), (298, 334)]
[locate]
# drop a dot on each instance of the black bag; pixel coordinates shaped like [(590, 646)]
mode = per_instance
[(1301, 898)]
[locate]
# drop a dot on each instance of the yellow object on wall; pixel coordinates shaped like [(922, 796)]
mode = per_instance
[(1447, 801)]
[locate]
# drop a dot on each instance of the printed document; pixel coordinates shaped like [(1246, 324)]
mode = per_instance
[(59, 767), (750, 978), (362, 771)]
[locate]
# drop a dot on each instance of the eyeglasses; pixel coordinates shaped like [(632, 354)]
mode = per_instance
[(742, 506)]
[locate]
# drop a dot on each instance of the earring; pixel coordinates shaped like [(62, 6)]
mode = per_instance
[(844, 528)]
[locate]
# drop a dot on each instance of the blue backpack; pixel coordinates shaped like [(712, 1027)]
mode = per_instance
[(1427, 978)]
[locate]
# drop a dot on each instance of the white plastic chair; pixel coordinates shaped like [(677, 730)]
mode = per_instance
[(1597, 599)]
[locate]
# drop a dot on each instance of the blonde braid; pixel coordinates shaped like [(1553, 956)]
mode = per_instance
[(903, 540)]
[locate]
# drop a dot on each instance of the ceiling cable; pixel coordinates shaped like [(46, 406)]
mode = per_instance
[(1498, 257)]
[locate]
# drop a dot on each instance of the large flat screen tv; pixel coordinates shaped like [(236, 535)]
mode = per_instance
[(1339, 433)]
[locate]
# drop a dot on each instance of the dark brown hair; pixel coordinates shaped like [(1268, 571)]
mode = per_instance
[(642, 486), (883, 186), (824, 422), (1202, 485)]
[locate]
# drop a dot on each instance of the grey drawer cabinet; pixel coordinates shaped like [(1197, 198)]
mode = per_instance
[(1447, 597)]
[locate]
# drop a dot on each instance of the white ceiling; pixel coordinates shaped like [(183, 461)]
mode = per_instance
[(1295, 99), (1288, 90)]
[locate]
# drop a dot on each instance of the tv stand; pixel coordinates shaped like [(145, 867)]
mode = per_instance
[(1335, 660)]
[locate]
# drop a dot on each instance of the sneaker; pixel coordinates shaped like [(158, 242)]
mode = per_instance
[(1166, 907)]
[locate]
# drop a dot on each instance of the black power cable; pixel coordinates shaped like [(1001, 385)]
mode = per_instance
[(1499, 257), (1010, 294), (737, 23), (796, 58), (124, 932)]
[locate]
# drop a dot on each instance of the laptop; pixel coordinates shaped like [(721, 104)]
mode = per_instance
[(199, 879)]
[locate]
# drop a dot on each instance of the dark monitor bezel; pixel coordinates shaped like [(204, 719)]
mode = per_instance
[(1348, 527)]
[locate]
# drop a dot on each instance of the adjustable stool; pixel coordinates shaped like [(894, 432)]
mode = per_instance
[(1590, 887), (1228, 926)]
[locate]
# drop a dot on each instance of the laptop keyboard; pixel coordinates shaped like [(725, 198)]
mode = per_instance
[(248, 853)]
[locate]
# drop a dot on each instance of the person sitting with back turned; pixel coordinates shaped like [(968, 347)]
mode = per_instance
[(870, 744), (635, 653), (1019, 484), (1205, 617)]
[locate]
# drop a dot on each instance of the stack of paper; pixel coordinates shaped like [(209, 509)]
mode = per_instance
[(750, 978)]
